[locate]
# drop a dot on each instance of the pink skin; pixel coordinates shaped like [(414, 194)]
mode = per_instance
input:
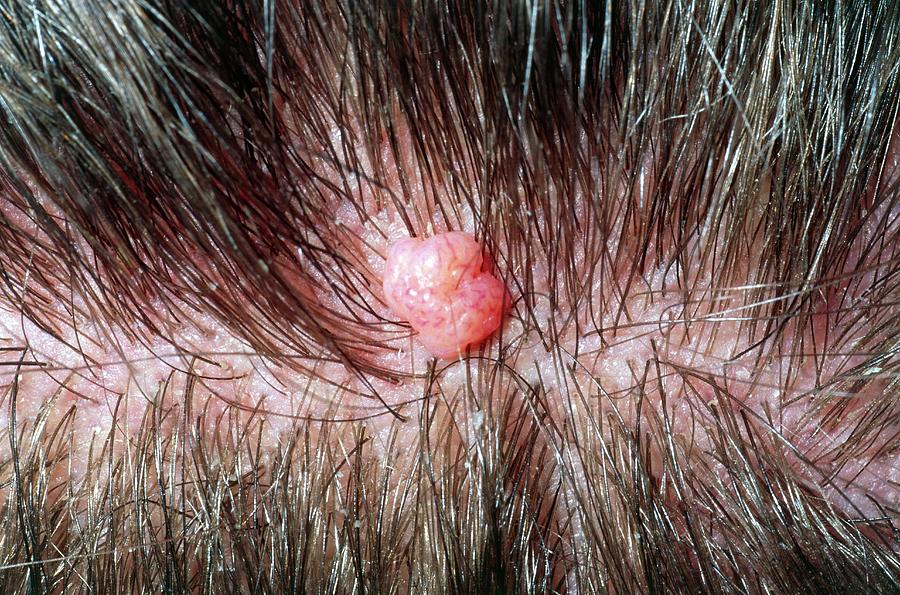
[(439, 287)]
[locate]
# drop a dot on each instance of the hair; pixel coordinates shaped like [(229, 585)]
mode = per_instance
[(167, 160)]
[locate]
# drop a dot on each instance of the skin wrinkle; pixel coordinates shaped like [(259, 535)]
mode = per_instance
[(693, 206)]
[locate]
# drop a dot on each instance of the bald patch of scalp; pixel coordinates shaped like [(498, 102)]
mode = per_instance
[(193, 147)]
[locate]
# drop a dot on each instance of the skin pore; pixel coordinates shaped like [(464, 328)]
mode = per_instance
[(694, 208)]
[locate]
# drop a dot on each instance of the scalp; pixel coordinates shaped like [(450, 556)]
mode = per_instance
[(439, 286), (693, 207)]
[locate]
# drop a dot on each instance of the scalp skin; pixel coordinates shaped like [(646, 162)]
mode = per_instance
[(439, 286), (693, 205)]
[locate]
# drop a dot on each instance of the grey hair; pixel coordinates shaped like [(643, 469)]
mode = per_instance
[(190, 146)]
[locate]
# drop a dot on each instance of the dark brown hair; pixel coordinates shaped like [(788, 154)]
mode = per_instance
[(192, 148)]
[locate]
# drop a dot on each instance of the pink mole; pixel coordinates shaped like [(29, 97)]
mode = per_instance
[(438, 285)]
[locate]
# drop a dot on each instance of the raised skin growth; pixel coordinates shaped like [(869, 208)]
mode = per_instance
[(438, 285)]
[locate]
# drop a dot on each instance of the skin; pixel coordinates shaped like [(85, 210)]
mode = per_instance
[(439, 286), (694, 210)]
